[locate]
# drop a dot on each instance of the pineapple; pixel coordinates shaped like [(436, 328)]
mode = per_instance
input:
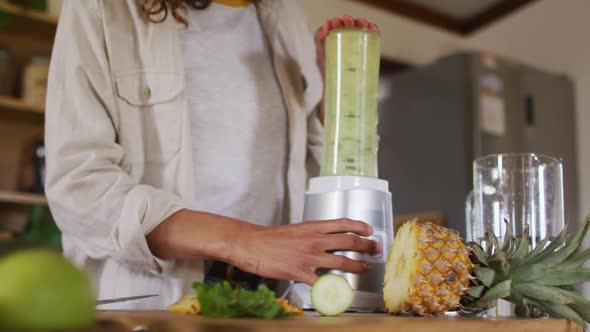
[(430, 271), (427, 271)]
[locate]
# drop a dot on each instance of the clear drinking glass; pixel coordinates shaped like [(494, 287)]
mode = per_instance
[(352, 81), (521, 188)]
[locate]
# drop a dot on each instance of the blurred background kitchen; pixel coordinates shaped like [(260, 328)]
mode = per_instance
[(459, 79)]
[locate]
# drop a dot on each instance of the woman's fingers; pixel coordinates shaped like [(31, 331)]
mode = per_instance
[(374, 27), (322, 32), (338, 262), (350, 242), (308, 277), (348, 21), (340, 226), (361, 23), (336, 22), (344, 21)]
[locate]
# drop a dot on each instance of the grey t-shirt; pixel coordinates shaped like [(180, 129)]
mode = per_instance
[(238, 118)]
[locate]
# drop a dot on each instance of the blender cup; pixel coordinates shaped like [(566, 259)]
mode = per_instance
[(348, 186), (352, 80)]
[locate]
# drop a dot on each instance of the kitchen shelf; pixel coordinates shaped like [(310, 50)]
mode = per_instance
[(29, 14), (15, 104), (22, 198)]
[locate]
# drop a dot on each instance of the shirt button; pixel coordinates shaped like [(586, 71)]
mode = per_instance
[(147, 93)]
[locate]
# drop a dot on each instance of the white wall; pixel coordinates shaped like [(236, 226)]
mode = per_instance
[(549, 34)]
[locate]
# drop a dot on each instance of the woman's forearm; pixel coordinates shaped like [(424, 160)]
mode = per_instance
[(196, 235)]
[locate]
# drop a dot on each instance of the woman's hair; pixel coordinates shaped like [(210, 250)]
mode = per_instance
[(157, 10)]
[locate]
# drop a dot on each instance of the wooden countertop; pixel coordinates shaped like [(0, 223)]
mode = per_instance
[(160, 321)]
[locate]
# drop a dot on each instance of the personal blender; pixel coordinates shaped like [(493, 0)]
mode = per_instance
[(348, 186)]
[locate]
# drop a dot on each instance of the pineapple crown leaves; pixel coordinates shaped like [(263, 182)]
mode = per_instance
[(536, 281), (554, 310)]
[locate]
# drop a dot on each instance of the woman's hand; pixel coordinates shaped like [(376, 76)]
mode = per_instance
[(295, 252), (320, 37), (292, 252), (334, 23)]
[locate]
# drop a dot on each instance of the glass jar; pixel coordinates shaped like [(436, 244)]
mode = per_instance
[(34, 83), (6, 72), (54, 7), (523, 189), (350, 100)]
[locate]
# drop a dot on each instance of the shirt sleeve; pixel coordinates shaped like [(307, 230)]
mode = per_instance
[(314, 86), (315, 146), (100, 208)]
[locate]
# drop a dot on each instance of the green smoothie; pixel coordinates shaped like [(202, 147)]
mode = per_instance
[(352, 82)]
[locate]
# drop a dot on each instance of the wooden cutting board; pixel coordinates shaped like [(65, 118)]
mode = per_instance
[(162, 321)]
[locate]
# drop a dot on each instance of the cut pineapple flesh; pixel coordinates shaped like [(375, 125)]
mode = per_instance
[(290, 308), (188, 305), (427, 271), (398, 279)]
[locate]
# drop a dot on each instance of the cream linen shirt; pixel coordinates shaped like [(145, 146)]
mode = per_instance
[(119, 142)]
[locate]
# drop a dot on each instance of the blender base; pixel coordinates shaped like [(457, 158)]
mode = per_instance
[(358, 198), (363, 301)]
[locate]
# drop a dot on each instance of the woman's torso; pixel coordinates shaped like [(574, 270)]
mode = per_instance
[(142, 81), (238, 119)]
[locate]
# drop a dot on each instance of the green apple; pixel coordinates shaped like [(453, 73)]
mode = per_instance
[(40, 289)]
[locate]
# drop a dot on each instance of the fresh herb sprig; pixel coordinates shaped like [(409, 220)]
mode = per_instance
[(221, 300)]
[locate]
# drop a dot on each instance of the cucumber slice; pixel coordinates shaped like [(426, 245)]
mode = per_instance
[(331, 295)]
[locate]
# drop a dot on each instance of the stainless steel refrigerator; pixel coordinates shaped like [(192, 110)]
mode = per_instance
[(436, 119)]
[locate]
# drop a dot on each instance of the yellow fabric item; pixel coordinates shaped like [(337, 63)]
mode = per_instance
[(234, 3)]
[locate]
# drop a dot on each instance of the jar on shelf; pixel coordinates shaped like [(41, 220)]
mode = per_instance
[(54, 7), (6, 72), (34, 82)]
